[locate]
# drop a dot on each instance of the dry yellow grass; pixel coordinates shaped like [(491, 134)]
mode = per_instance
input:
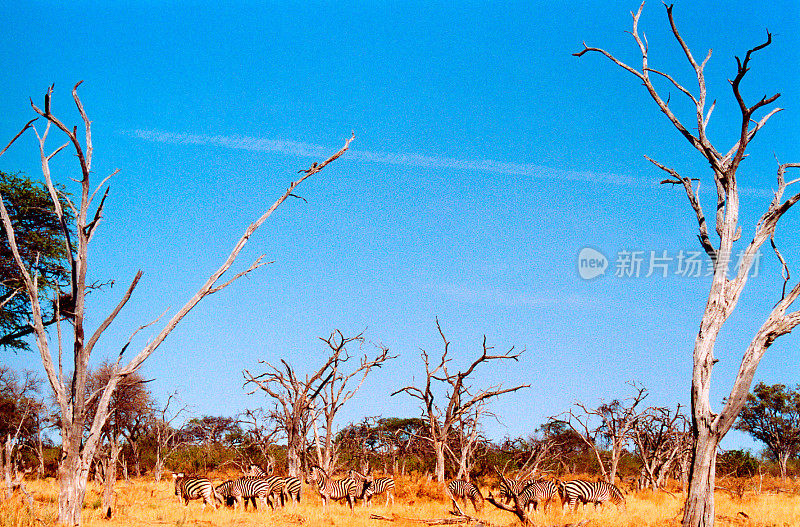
[(143, 502)]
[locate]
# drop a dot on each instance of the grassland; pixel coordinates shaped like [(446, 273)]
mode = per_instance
[(144, 502)]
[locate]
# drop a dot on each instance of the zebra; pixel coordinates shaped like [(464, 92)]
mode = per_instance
[(541, 491), (291, 486), (340, 489), (369, 486), (509, 487), (194, 488), (598, 492), (464, 490), (246, 488)]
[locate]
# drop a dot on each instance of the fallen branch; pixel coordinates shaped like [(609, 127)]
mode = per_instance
[(455, 520), (460, 520)]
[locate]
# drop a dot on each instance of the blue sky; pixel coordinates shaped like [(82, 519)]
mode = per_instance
[(486, 157)]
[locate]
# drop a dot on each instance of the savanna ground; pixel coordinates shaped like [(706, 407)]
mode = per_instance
[(144, 502)]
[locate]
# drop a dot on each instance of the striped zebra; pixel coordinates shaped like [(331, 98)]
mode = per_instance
[(368, 486), (598, 492), (464, 490), (246, 488), (290, 486), (195, 488), (509, 487), (541, 491), (342, 489)]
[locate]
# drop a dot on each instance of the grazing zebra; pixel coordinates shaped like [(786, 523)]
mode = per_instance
[(369, 486), (291, 486), (464, 490), (194, 488), (342, 489), (541, 491), (246, 488), (509, 487), (598, 492)]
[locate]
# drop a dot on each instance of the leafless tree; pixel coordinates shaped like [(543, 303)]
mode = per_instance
[(18, 408), (164, 434), (460, 398), (129, 405), (294, 400), (259, 434), (661, 438), (611, 424), (708, 426), (78, 446), (340, 388), (468, 440)]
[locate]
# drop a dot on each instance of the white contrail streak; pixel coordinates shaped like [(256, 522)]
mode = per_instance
[(412, 160)]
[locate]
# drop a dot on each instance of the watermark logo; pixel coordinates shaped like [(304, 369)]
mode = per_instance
[(591, 263), (661, 263)]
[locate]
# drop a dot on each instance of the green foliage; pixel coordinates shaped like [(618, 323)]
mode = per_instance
[(41, 242), (738, 463), (772, 415)]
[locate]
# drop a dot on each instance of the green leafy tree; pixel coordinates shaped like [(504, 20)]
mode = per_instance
[(772, 415), (42, 246)]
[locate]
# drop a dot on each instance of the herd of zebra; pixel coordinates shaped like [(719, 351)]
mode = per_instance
[(531, 493), (271, 490)]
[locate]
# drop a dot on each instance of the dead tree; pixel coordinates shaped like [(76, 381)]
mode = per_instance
[(340, 388), (459, 397), (164, 434), (129, 404), (709, 426), (467, 441), (611, 423), (294, 401), (18, 409), (80, 433), (661, 438), (260, 432), (515, 506)]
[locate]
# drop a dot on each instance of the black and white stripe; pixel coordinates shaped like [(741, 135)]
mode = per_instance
[(598, 492), (256, 472), (515, 486), (464, 490), (342, 489), (293, 487), (369, 486), (290, 486), (246, 488), (540, 491), (194, 488)]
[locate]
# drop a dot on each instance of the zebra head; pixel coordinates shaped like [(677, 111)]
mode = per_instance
[(318, 475)]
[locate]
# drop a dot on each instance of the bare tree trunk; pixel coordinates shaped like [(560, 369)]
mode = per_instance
[(158, 468), (72, 476), (438, 447), (293, 457), (7, 461), (40, 455), (699, 509), (782, 461), (137, 462), (109, 500), (612, 474)]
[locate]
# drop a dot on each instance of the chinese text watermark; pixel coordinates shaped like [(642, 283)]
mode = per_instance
[(593, 263)]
